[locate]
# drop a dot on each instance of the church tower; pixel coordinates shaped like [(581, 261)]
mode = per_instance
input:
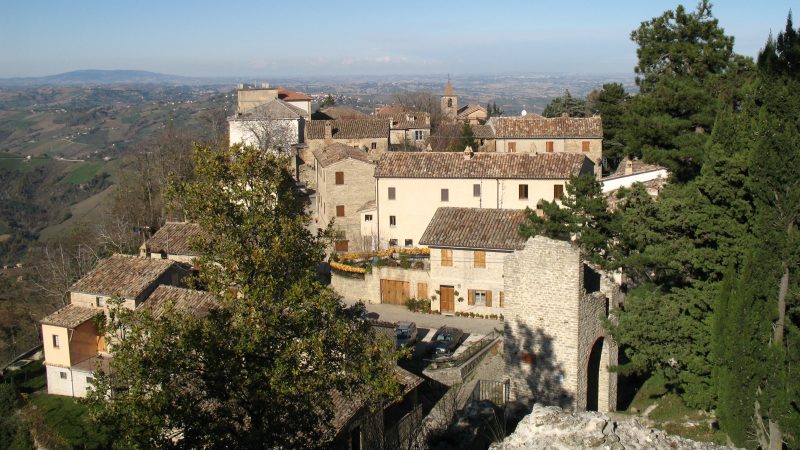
[(449, 102)]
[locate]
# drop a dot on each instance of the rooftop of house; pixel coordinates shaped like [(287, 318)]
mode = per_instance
[(336, 152), (175, 238), (408, 120), (480, 165), (292, 96), (198, 303), (468, 109), (632, 166), (349, 129), (273, 110), (123, 275), (369, 206), (346, 406), (544, 127), (338, 113), (490, 229), (70, 316)]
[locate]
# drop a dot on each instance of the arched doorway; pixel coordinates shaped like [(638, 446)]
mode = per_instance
[(593, 376)]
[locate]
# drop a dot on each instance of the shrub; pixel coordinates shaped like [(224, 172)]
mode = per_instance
[(418, 305)]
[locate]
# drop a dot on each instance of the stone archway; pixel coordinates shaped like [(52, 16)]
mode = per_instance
[(593, 376)]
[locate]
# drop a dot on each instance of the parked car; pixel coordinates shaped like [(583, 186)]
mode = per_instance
[(406, 333), (445, 341)]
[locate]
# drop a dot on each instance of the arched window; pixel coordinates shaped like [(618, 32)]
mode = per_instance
[(449, 102)]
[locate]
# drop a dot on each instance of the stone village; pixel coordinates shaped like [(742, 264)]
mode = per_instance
[(409, 223)]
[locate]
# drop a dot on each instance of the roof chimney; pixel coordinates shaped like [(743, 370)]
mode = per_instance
[(328, 132), (468, 153)]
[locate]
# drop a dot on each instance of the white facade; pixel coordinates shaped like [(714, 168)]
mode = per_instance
[(68, 381), (626, 181), (369, 228), (305, 105), (246, 131), (415, 201), (466, 279)]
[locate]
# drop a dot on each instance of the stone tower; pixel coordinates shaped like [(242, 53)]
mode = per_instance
[(449, 102), (557, 351)]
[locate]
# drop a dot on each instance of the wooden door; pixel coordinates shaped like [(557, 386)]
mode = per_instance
[(395, 292), (447, 303)]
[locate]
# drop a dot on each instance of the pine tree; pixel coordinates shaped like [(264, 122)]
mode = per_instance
[(610, 103), (566, 104)]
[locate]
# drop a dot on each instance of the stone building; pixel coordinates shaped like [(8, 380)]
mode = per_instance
[(472, 114), (344, 185), (449, 103), (468, 248), (173, 241), (557, 350), (409, 130), (528, 134)]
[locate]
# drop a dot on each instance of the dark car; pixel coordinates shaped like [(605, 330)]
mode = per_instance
[(445, 341), (406, 333)]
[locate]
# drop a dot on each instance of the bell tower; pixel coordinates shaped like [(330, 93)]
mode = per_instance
[(449, 102)]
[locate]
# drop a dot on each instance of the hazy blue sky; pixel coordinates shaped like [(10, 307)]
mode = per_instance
[(293, 37)]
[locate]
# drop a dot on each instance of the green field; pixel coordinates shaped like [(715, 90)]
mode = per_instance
[(69, 419), (21, 164), (83, 173)]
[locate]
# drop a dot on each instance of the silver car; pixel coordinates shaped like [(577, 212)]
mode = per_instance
[(406, 333)]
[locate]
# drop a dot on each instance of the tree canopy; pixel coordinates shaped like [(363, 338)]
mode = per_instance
[(566, 104)]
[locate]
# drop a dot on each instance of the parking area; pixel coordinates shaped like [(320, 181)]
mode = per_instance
[(396, 313)]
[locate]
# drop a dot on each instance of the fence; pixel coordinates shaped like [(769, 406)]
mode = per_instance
[(497, 392), (461, 358)]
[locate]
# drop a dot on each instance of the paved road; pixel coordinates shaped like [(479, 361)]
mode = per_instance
[(431, 322)]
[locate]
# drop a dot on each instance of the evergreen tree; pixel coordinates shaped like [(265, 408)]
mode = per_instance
[(669, 121), (566, 104), (610, 103), (259, 371)]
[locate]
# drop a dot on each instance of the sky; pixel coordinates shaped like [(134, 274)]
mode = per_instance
[(376, 37)]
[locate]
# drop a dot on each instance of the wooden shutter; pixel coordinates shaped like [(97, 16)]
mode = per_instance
[(447, 257), (512, 147), (558, 191), (341, 246), (549, 146), (339, 177), (471, 297), (339, 210), (422, 290), (479, 258), (585, 146), (502, 299), (523, 191), (488, 298)]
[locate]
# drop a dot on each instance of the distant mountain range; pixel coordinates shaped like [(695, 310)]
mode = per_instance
[(105, 77)]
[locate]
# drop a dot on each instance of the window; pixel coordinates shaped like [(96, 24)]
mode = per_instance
[(476, 190), (367, 217), (418, 135), (374, 145), (339, 210), (447, 257), (56, 341), (523, 191), (449, 102), (391, 193), (63, 375), (585, 146), (100, 301), (549, 146), (341, 246), (558, 191), (512, 147), (392, 221), (409, 242), (445, 195), (392, 242), (89, 380), (480, 298), (479, 259), (339, 177)]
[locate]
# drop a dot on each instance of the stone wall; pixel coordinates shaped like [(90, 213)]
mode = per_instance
[(368, 289), (552, 324)]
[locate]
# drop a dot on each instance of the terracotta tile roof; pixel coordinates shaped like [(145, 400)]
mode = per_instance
[(336, 152), (199, 303), (636, 166), (480, 165), (71, 316), (291, 96), (338, 113), (274, 110), (408, 120), (175, 238), (466, 110), (542, 127), (391, 109), (127, 276), (349, 129), (346, 406), (368, 206), (492, 229)]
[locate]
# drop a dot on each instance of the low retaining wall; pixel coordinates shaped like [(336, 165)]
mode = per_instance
[(367, 287), (457, 374)]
